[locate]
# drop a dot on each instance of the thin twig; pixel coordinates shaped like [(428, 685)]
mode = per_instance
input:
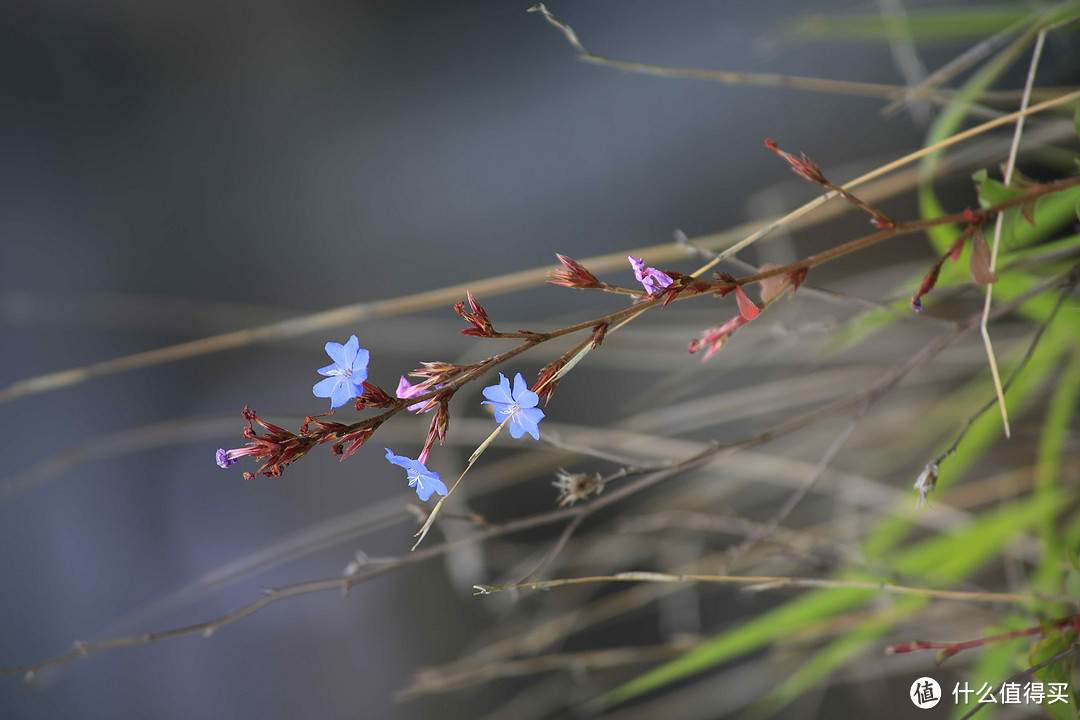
[(796, 497), (1066, 291), (769, 582), (1027, 673), (840, 87), (1036, 53)]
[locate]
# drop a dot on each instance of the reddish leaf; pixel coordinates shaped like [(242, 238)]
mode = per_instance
[(980, 260), (771, 286), (747, 308)]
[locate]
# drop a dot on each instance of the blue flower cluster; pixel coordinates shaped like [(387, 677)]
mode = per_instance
[(344, 379)]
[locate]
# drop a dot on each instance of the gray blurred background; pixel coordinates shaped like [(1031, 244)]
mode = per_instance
[(175, 170)]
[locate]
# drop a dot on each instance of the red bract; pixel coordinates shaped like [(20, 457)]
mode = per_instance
[(681, 284), (326, 430), (277, 448), (544, 386), (573, 276), (374, 396), (350, 443), (440, 422), (725, 277), (481, 323)]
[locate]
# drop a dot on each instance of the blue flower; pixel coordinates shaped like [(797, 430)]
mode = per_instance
[(424, 480), (345, 375), (520, 406)]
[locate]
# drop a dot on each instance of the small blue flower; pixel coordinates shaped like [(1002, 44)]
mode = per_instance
[(345, 375), (425, 481), (520, 406)]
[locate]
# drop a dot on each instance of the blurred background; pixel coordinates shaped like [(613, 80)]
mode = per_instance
[(177, 170)]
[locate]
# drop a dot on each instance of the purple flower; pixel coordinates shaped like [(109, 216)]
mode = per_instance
[(651, 279), (225, 458), (406, 390), (345, 375), (519, 406), (425, 481)]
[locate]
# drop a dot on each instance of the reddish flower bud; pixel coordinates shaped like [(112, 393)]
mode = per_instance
[(374, 396), (350, 443), (801, 166), (544, 386), (277, 448), (325, 431), (440, 422), (598, 334), (573, 276), (478, 317)]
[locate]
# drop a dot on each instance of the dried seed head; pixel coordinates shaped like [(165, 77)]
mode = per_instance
[(577, 486)]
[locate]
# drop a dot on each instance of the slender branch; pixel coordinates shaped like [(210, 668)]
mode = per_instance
[(970, 57), (1028, 673), (573, 661), (1010, 165), (766, 530), (1066, 290), (948, 649), (769, 582), (841, 87)]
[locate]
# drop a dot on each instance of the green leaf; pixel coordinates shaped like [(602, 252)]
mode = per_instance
[(991, 192), (1054, 642), (949, 557), (745, 638), (1050, 574), (940, 25)]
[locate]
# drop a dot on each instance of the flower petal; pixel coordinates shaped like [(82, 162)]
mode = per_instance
[(529, 419), (527, 399), (336, 351), (429, 483), (399, 460), (330, 370), (499, 393), (502, 410), (406, 389), (351, 348), (360, 362), (520, 386), (516, 428), (341, 393), (324, 388)]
